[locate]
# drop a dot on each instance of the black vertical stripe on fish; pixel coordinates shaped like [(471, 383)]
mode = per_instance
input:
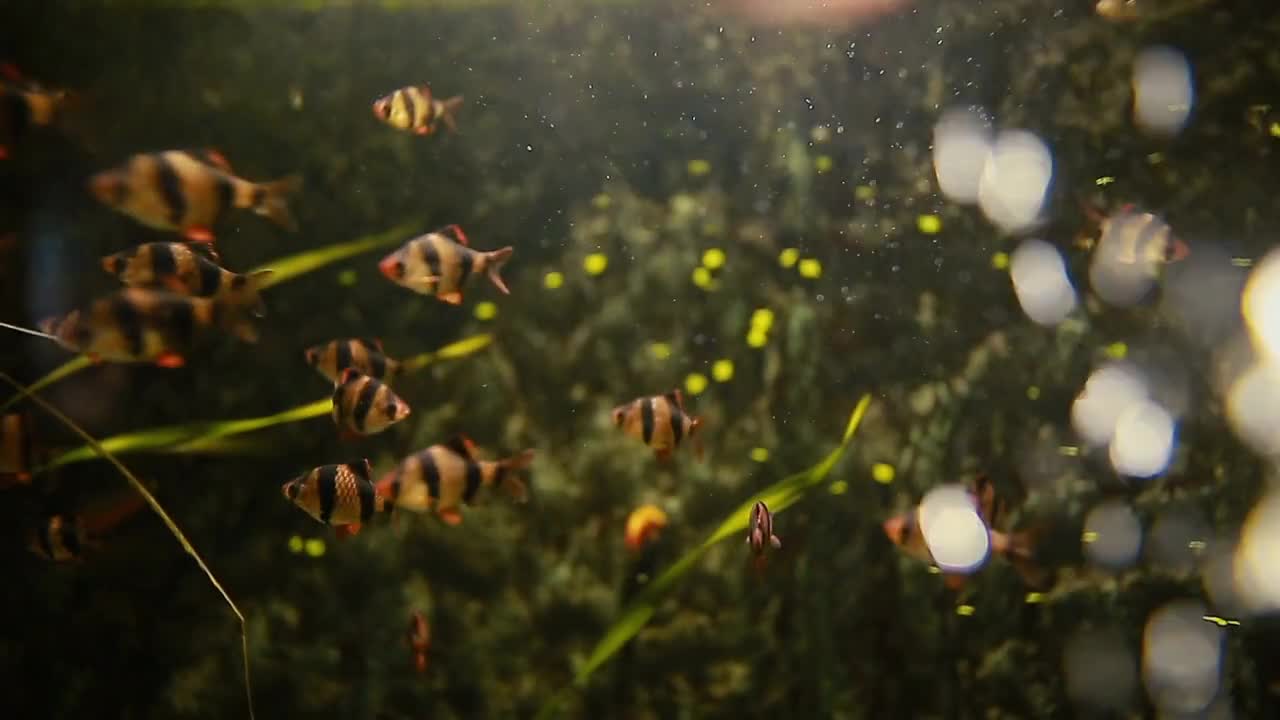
[(431, 474), (377, 363), (431, 258), (210, 276), (646, 419), (162, 260), (170, 189), (342, 356), (364, 403), (182, 321), (15, 112), (224, 195), (466, 258), (129, 323), (327, 488), (365, 491), (473, 481), (71, 538), (677, 423)]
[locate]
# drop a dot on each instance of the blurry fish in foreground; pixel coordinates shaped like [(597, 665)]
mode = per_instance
[(416, 110), (660, 421), (24, 105), (66, 537), (760, 534), (824, 13), (419, 637), (16, 448), (1119, 9), (362, 354), (445, 477), (1130, 253), (365, 406), (340, 496), (440, 265), (644, 525), (189, 192), (914, 533), (146, 325), (180, 268)]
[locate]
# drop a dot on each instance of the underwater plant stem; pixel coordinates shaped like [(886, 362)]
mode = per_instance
[(72, 366), (159, 510), (29, 331)]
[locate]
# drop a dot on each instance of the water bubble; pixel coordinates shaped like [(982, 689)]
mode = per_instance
[(957, 537), (961, 143), (1040, 282), (1015, 180), (1181, 658), (1107, 394), (1143, 440), (1163, 92), (1112, 535), (1101, 670)]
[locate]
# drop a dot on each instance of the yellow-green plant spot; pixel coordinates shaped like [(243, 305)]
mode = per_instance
[(865, 192), (702, 278), (347, 278), (823, 163), (929, 224), (712, 229), (757, 338), (660, 350), (486, 311), (722, 370), (760, 454), (602, 201), (839, 487), (1117, 350), (1033, 392), (1069, 450), (595, 263), (695, 383), (762, 319), (883, 473), (933, 570), (1104, 181), (1000, 261), (699, 167), (295, 544), (1274, 129), (788, 257), (965, 610), (553, 280), (1089, 536), (713, 259), (810, 268), (315, 547), (1034, 598)]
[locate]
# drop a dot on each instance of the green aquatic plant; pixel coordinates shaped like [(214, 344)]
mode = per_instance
[(779, 496), (159, 510), (286, 268), (196, 434)]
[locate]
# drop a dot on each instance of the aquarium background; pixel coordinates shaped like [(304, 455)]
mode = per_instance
[(698, 198)]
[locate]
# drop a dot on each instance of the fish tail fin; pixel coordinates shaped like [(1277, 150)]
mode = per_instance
[(274, 203), (447, 110), (494, 261), (512, 483), (1022, 555)]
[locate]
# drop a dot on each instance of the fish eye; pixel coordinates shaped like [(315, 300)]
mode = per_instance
[(399, 268), (310, 356), (291, 490), (392, 408)]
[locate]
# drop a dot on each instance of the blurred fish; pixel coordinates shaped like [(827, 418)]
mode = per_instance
[(416, 110), (445, 477), (843, 14), (660, 421), (1134, 238), (24, 105), (1018, 547), (419, 637), (365, 406), (146, 325), (180, 268), (644, 524), (1119, 9), (436, 264), (67, 537), (363, 354), (340, 496), (15, 449), (189, 191), (760, 534)]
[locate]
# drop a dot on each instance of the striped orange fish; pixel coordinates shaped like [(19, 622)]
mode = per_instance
[(16, 449), (68, 537), (137, 325), (340, 496), (180, 268), (446, 477), (416, 110), (189, 192), (644, 525), (363, 354), (25, 105), (440, 265), (365, 406), (660, 421)]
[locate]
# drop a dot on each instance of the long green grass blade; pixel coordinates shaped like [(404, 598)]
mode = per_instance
[(779, 496), (158, 509), (70, 367)]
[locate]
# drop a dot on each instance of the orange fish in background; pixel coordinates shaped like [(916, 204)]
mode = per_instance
[(760, 535), (180, 268), (365, 406), (67, 537), (340, 496), (1018, 547), (446, 477), (440, 265), (644, 525), (419, 637), (1119, 9), (660, 421), (416, 110), (16, 449), (134, 325), (25, 105), (1131, 236), (365, 355), (189, 192)]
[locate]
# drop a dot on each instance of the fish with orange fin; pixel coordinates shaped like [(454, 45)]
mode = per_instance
[(363, 405), (25, 104), (341, 496), (182, 269), (416, 110), (362, 354), (67, 537), (441, 262), (16, 449), (419, 637), (660, 421), (1133, 237), (644, 525), (760, 535), (1017, 547), (446, 477), (189, 191), (138, 325)]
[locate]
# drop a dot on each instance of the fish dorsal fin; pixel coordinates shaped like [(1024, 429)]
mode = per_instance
[(213, 157), (462, 445), (204, 250), (676, 397), (372, 342), (454, 231)]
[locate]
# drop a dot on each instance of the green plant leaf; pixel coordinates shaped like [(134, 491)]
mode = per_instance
[(779, 496)]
